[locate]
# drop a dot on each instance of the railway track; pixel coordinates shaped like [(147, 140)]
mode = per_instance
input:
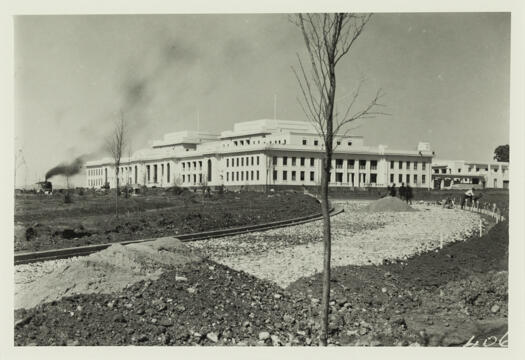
[(38, 256)]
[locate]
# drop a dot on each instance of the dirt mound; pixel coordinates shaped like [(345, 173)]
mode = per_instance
[(387, 204), (106, 271)]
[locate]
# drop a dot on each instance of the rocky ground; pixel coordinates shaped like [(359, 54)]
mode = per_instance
[(359, 237), (435, 298)]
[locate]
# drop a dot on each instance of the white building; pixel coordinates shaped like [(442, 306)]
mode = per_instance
[(264, 152), (459, 174)]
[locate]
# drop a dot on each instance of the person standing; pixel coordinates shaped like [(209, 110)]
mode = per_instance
[(402, 192), (408, 194), (469, 194), (393, 190)]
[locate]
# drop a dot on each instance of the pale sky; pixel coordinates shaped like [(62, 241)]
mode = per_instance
[(445, 76)]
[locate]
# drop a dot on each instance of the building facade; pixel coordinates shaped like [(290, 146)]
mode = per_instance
[(460, 174), (264, 152)]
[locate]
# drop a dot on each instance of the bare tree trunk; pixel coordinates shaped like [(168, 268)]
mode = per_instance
[(116, 192), (327, 242)]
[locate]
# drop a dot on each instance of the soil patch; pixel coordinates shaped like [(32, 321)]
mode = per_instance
[(41, 224), (106, 271), (388, 204)]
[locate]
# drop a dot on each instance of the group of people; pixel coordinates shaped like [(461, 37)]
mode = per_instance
[(405, 192)]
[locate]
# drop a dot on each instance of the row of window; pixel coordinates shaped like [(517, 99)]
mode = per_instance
[(94, 172), (284, 161), (444, 170), (241, 161), (188, 164), (407, 179), (284, 175), (186, 179), (407, 165), (242, 175), (95, 182)]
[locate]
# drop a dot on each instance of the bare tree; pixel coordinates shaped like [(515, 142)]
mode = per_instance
[(328, 38), (116, 144)]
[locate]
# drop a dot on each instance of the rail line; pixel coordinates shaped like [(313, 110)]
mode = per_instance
[(38, 256)]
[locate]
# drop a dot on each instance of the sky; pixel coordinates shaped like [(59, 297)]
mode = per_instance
[(445, 77)]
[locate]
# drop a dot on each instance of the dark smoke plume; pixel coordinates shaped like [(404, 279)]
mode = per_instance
[(65, 169)]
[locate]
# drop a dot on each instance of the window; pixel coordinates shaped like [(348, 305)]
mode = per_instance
[(242, 161), (227, 162), (257, 159), (408, 165), (235, 143), (302, 175), (275, 160), (285, 175), (293, 175), (304, 141), (408, 178), (247, 178), (293, 161), (373, 165), (237, 176), (242, 142), (373, 178), (285, 160), (391, 178), (275, 175), (312, 161), (183, 178), (316, 142), (194, 178), (302, 161), (349, 143), (168, 171), (247, 161), (227, 176), (338, 142), (148, 171), (415, 165), (200, 178), (339, 163), (415, 179), (257, 174), (400, 178), (251, 175), (362, 164), (242, 175), (184, 166), (351, 163), (312, 176), (391, 165), (423, 166), (423, 179), (237, 162), (400, 165)]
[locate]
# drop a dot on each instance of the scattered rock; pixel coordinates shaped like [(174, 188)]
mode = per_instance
[(263, 335), (212, 337)]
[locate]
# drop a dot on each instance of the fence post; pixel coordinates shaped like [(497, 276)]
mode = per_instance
[(480, 228)]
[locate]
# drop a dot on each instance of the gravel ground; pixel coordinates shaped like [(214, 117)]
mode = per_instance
[(358, 238)]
